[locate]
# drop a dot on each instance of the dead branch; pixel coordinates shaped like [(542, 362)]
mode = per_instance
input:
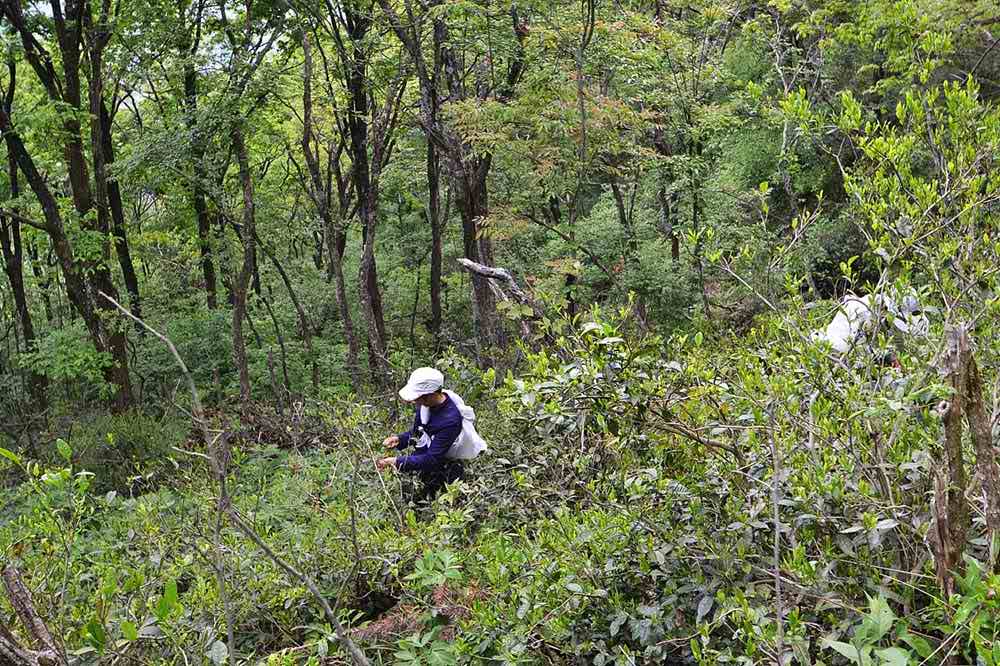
[(199, 413), (496, 275), (504, 276), (688, 433), (12, 653)]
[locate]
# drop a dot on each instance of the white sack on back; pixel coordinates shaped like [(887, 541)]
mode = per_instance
[(469, 444)]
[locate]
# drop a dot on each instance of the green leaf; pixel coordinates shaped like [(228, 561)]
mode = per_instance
[(98, 638), (167, 601), (64, 449), (969, 605), (704, 607), (879, 620), (846, 650), (893, 657), (129, 631), (574, 587), (918, 643), (10, 455)]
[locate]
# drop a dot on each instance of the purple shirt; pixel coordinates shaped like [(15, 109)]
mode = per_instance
[(444, 425)]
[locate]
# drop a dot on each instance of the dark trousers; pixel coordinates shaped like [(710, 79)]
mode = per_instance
[(433, 481)]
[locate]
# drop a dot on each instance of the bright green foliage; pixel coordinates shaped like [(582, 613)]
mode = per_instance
[(678, 472)]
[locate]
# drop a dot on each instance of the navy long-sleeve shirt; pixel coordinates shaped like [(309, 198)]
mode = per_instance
[(444, 425)]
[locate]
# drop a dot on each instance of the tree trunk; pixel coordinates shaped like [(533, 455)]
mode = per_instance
[(118, 223), (630, 258), (117, 373), (322, 197), (668, 214), (42, 279), (336, 259), (76, 288), (696, 211), (366, 189), (247, 234), (434, 215), (467, 172), (82, 277), (46, 651), (13, 254), (951, 509), (631, 253), (304, 324), (472, 206), (199, 177), (371, 302), (982, 440), (188, 49)]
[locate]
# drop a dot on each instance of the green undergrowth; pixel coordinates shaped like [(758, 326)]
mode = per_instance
[(624, 514)]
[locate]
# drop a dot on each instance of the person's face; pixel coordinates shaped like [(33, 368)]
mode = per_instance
[(425, 400)]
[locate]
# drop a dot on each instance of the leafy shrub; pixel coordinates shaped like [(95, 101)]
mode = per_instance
[(66, 356), (128, 452)]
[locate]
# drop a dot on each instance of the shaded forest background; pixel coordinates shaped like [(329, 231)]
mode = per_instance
[(613, 225)]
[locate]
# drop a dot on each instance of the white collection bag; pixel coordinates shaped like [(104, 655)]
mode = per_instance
[(469, 444)]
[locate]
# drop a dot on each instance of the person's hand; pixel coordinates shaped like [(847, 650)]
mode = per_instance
[(391, 442), (382, 463)]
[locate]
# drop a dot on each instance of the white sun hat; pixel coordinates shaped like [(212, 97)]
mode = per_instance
[(421, 382)]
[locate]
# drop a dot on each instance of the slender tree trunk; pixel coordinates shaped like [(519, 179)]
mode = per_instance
[(668, 215), (281, 344), (199, 178), (335, 257), (631, 253), (318, 248), (696, 211), (371, 302), (552, 212), (981, 430), (118, 223), (191, 40), (42, 279), (118, 372), (13, 255), (304, 324), (434, 214), (249, 261), (322, 197), (630, 258), (951, 509), (365, 187)]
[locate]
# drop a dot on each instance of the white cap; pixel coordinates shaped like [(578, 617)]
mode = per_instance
[(422, 381)]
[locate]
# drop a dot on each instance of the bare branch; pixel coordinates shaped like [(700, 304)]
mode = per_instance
[(357, 656)]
